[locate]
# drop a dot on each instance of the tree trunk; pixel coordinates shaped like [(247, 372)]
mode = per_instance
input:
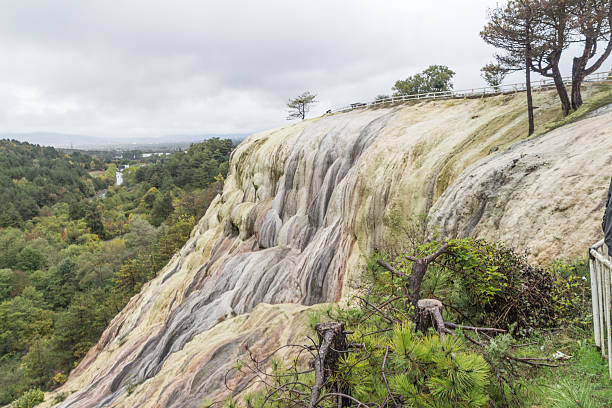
[(429, 314), (412, 288), (528, 64), (529, 97), (565, 101), (577, 69), (555, 74), (419, 267)]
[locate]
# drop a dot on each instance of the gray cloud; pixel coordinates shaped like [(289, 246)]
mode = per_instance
[(138, 68)]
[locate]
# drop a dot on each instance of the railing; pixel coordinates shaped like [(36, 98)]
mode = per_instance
[(600, 265), (477, 92)]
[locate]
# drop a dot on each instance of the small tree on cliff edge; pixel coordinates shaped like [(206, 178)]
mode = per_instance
[(300, 105), (493, 74)]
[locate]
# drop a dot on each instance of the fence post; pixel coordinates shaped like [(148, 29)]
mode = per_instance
[(607, 283), (600, 295), (594, 299)]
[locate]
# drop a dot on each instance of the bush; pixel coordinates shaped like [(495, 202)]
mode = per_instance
[(386, 362), (492, 285), (436, 78), (29, 399)]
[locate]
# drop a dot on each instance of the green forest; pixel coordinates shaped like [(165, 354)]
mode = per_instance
[(33, 177), (75, 247)]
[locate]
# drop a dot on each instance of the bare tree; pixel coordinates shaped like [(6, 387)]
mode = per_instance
[(592, 23), (511, 28), (300, 105)]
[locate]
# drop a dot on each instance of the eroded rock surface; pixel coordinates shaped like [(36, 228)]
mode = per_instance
[(301, 207), (543, 196)]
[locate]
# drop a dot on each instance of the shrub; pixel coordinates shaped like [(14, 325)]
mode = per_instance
[(29, 399), (492, 285), (386, 362)]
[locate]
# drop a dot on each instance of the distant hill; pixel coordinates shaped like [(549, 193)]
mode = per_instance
[(66, 140), (52, 139)]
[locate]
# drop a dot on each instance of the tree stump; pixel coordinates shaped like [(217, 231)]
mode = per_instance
[(429, 314), (332, 344)]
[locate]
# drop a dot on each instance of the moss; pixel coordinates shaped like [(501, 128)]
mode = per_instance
[(486, 138), (602, 96), (511, 127), (396, 222)]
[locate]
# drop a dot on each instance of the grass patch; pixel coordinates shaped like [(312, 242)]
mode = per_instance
[(581, 381), (601, 97)]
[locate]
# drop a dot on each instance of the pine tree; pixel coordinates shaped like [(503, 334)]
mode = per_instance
[(422, 370), (511, 29), (128, 280), (300, 105)]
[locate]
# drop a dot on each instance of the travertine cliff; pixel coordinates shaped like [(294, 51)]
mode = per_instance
[(544, 196), (301, 207)]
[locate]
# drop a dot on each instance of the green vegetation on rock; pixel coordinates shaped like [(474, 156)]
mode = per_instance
[(388, 363), (29, 399)]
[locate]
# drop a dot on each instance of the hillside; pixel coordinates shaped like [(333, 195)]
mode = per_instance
[(301, 207), (33, 176), (69, 267)]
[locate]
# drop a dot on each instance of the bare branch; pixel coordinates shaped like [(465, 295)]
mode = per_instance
[(459, 326)]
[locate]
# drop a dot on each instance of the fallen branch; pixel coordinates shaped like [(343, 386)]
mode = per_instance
[(525, 360), (342, 395), (380, 312), (460, 326)]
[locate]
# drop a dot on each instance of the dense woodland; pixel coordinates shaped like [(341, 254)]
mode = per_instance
[(33, 177), (74, 247)]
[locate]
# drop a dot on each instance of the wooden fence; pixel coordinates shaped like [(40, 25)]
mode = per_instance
[(600, 265), (477, 92)]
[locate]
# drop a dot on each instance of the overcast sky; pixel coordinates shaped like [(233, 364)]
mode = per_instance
[(134, 69)]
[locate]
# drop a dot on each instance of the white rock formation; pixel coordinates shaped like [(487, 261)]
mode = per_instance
[(302, 206)]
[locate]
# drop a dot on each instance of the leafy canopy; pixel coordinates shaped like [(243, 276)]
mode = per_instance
[(493, 74), (436, 78), (68, 267)]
